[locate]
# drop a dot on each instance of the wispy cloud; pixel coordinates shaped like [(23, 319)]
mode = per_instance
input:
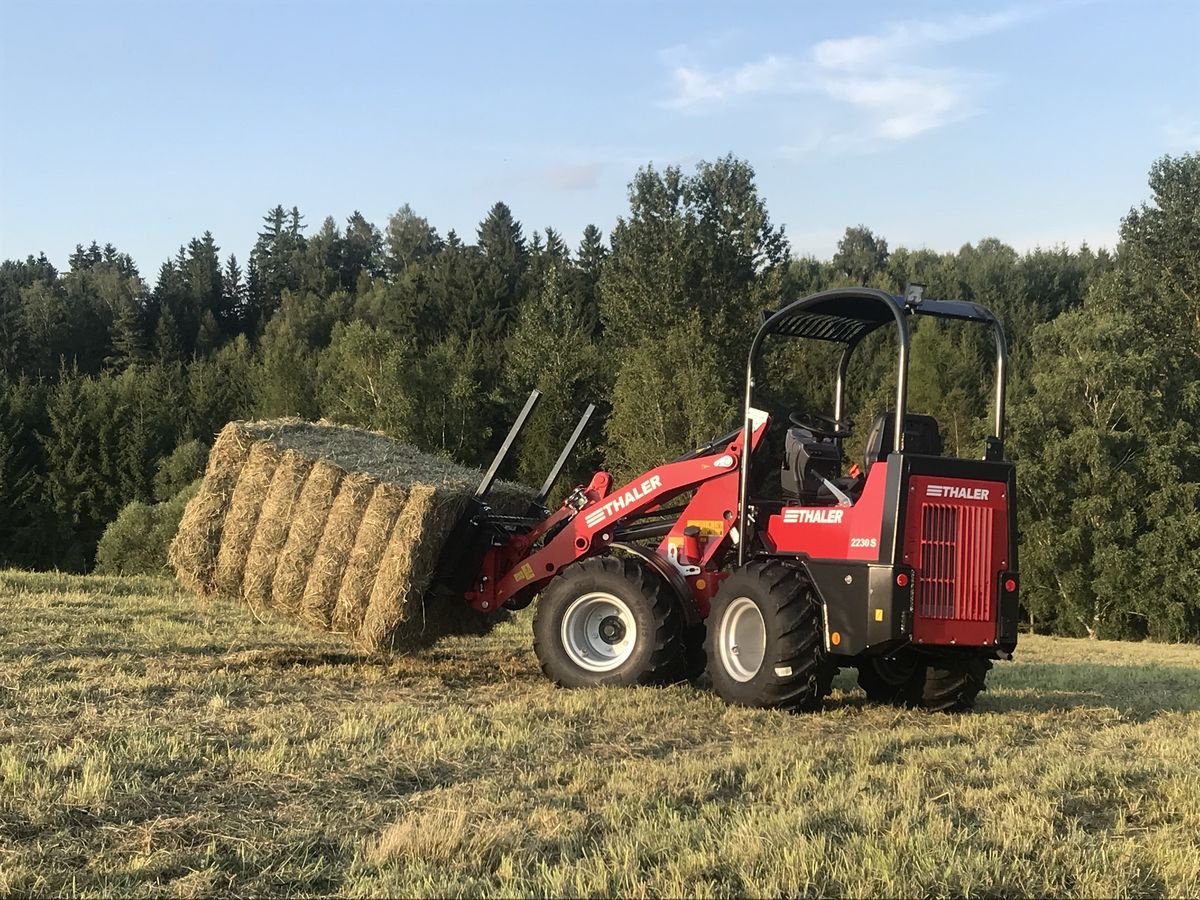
[(871, 75)]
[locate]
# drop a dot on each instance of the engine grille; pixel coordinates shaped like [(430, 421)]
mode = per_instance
[(955, 580)]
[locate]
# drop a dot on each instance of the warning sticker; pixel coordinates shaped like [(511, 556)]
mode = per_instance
[(708, 527)]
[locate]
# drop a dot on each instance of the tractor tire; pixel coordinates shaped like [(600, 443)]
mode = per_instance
[(607, 621), (690, 663), (766, 640), (951, 685), (897, 680)]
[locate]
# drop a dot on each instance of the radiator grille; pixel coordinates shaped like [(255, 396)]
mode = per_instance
[(955, 569)]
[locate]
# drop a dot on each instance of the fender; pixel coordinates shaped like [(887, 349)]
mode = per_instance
[(679, 587)]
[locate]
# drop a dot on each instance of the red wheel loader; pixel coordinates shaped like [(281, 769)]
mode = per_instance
[(773, 570)]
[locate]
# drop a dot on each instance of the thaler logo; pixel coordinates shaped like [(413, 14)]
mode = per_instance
[(794, 515), (616, 504), (956, 493)]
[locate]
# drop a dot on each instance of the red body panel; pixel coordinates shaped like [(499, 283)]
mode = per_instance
[(956, 540), (833, 532)]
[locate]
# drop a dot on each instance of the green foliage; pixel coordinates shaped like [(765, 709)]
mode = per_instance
[(1109, 435), (136, 541), (181, 468), (552, 350), (861, 256), (663, 401)]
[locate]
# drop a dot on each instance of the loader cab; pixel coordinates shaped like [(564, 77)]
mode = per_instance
[(818, 457), (910, 546)]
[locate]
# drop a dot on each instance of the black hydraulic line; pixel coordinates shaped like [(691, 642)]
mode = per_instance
[(641, 532), (674, 512), (489, 478), (567, 450), (710, 447)]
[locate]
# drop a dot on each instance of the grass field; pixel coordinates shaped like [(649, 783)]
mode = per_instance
[(149, 746)]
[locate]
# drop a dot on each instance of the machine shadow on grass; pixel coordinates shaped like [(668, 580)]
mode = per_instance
[(1141, 693)]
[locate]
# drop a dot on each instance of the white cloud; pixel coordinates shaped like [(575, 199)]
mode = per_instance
[(696, 88), (869, 50), (870, 75)]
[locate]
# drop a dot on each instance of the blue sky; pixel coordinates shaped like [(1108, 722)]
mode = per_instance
[(145, 123)]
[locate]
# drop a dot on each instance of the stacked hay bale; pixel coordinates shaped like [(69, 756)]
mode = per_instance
[(334, 526)]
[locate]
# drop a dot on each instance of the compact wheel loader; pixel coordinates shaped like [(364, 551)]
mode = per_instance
[(772, 571)]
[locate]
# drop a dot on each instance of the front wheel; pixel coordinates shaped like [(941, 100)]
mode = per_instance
[(607, 621), (766, 640)]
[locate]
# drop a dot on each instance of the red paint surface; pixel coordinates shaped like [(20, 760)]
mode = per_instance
[(957, 546)]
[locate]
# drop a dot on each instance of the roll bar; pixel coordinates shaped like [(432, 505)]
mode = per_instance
[(846, 316)]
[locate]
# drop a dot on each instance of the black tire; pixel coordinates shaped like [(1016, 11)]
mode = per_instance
[(898, 680), (649, 625), (794, 672), (692, 659), (952, 684)]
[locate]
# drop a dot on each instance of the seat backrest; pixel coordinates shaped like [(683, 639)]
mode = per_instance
[(921, 435)]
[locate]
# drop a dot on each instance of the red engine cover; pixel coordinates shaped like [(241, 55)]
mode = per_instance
[(956, 540)]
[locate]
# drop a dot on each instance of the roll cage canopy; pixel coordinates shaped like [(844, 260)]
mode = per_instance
[(846, 316)]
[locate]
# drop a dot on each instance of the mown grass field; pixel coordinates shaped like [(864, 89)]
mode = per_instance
[(152, 747)]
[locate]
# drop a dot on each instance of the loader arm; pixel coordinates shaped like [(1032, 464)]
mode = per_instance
[(594, 518)]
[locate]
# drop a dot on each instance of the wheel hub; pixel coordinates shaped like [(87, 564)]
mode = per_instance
[(612, 630), (598, 632)]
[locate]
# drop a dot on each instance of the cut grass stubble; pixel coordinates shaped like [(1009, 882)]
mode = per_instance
[(152, 747)]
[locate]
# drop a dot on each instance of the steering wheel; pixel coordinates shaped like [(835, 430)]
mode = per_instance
[(821, 426)]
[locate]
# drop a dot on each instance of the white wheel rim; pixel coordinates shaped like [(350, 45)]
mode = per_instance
[(598, 632), (742, 641)]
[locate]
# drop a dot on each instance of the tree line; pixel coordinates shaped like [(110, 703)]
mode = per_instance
[(112, 388)]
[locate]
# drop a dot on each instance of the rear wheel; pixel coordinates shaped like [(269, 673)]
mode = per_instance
[(898, 679), (606, 621), (766, 641), (951, 684)]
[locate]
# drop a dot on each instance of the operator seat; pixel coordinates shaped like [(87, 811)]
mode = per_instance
[(921, 435)]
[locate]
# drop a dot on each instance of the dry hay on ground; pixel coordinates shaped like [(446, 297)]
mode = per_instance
[(338, 527)]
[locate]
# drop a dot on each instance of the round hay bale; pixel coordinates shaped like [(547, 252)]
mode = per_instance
[(241, 518), (397, 615), (382, 511), (274, 523), (333, 553), (308, 524), (193, 552)]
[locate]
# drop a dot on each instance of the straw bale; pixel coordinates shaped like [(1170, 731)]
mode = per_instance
[(274, 523), (397, 615), (338, 527), (337, 543), (308, 524), (358, 582), (193, 552), (241, 518)]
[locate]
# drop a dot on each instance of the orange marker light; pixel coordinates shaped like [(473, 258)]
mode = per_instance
[(835, 638)]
